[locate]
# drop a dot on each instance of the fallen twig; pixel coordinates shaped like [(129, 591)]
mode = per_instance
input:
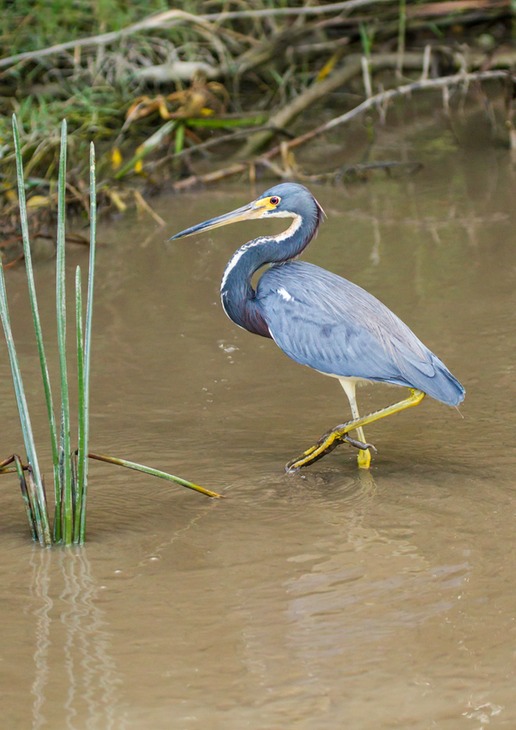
[(353, 67), (432, 9), (385, 96), (313, 93), (174, 17), (377, 100)]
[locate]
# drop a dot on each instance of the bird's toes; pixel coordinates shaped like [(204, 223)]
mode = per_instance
[(362, 445)]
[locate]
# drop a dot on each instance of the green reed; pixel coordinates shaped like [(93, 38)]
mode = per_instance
[(70, 467)]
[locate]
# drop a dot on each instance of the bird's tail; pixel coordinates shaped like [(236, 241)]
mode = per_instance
[(444, 386)]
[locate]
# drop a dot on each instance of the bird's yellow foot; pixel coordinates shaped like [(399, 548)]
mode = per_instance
[(326, 444), (364, 459), (313, 454)]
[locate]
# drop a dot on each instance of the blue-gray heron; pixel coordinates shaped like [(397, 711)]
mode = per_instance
[(321, 320)]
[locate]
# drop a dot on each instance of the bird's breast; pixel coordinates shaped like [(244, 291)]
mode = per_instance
[(245, 312)]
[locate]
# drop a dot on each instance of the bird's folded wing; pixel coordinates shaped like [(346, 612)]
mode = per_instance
[(324, 321)]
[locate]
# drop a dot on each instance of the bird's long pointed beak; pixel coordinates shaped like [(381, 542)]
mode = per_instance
[(245, 213)]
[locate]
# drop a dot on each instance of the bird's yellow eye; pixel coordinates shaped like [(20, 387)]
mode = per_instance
[(268, 203)]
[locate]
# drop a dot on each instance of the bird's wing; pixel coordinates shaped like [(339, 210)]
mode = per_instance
[(324, 321)]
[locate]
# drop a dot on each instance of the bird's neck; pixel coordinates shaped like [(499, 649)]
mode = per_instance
[(236, 291)]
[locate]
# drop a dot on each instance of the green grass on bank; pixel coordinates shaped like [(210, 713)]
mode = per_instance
[(28, 25), (231, 74)]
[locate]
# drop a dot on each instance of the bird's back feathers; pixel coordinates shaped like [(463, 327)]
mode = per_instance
[(330, 324)]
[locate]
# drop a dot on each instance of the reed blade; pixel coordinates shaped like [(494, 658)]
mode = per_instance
[(64, 447), (155, 473), (79, 475), (25, 494), (36, 320), (40, 508), (85, 360)]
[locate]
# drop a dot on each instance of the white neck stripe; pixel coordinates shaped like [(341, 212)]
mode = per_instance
[(288, 233)]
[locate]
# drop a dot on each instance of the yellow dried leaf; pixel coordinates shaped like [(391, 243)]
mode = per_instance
[(328, 67), (37, 201), (163, 109), (116, 158), (117, 201)]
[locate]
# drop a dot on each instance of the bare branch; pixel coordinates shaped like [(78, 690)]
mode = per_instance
[(374, 101), (175, 17)]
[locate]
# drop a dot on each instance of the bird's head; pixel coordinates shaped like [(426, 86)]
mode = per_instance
[(286, 200)]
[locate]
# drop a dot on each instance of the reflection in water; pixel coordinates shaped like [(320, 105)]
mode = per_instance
[(358, 588), (40, 590), (72, 648)]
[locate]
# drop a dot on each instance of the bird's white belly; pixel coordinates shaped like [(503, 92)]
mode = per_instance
[(351, 380)]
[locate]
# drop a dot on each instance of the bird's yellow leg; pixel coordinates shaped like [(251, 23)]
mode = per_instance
[(349, 386), (338, 434), (364, 456)]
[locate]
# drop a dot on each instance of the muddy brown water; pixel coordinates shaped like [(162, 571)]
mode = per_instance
[(326, 599)]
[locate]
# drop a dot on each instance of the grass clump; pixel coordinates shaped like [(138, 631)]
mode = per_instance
[(70, 465)]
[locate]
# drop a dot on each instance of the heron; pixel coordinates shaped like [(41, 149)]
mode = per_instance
[(323, 321)]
